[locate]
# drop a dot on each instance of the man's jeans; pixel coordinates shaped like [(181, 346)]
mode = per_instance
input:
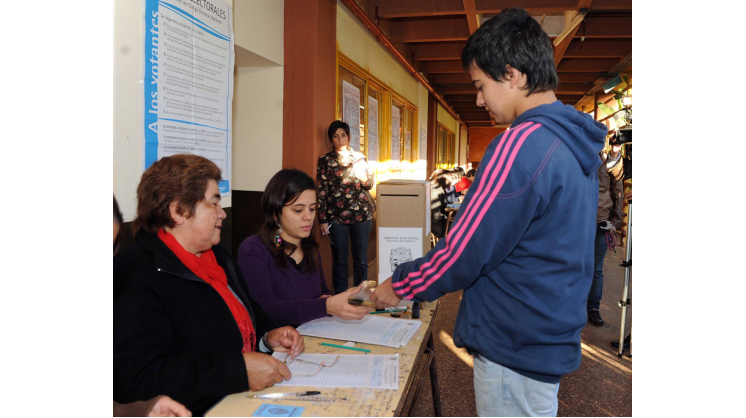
[(340, 235), (597, 286), (501, 392)]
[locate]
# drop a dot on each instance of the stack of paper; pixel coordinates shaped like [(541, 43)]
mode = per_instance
[(350, 371), (372, 329)]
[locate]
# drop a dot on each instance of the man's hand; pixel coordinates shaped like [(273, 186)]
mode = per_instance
[(167, 407), (339, 306), (384, 295), (286, 340), (264, 371), (324, 229)]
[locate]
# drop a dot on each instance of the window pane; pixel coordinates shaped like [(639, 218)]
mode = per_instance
[(375, 111), (397, 131), (351, 115), (408, 129)]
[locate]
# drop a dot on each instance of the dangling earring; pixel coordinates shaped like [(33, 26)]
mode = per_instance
[(278, 240)]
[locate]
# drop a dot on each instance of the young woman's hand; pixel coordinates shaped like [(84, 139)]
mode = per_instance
[(338, 305)]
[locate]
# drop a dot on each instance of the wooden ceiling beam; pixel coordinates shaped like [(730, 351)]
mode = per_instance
[(599, 48), (392, 9), (572, 24), (463, 89), (471, 15), (578, 65), (623, 66), (572, 89), (429, 30), (578, 78), (533, 6), (606, 27), (461, 103), (467, 109), (495, 6), (438, 52), (440, 79), (468, 97), (441, 67)]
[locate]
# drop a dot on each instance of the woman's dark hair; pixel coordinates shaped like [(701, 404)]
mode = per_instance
[(119, 220), (513, 37), (471, 173), (180, 178), (336, 125), (283, 189), (117, 213)]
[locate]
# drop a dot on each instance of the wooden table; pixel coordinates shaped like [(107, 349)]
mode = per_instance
[(414, 359)]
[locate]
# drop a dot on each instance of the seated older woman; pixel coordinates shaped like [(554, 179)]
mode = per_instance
[(282, 264), (183, 322)]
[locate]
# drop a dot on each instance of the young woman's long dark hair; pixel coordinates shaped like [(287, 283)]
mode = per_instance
[(283, 189)]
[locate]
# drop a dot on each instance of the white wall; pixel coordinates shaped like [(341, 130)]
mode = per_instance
[(258, 27), (257, 126)]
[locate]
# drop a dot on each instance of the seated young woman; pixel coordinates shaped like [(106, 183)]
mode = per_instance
[(282, 265)]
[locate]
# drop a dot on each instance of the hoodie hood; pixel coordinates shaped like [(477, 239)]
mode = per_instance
[(584, 136)]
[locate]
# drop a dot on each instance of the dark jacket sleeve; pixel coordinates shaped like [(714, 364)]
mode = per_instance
[(146, 364), (135, 409), (254, 262)]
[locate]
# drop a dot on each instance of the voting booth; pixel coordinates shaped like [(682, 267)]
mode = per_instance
[(403, 223)]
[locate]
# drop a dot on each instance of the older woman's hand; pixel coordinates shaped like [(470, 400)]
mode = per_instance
[(264, 370), (384, 295), (167, 407), (286, 340)]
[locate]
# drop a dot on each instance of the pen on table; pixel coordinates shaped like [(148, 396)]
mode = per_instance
[(365, 350), (283, 394)]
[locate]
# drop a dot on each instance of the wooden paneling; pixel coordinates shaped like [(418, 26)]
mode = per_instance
[(439, 51), (479, 139), (389, 9), (308, 107), (430, 30), (599, 48), (571, 65), (435, 67)]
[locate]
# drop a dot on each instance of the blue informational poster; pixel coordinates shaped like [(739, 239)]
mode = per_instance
[(188, 81)]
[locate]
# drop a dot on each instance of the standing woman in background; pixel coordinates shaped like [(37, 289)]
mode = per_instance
[(345, 213)]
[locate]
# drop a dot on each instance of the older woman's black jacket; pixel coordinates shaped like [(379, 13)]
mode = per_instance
[(173, 333)]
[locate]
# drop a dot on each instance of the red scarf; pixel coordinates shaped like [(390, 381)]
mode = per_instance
[(208, 269)]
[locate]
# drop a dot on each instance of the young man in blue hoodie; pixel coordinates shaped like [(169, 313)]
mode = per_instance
[(521, 247)]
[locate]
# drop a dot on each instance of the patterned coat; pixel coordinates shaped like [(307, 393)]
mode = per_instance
[(341, 194)]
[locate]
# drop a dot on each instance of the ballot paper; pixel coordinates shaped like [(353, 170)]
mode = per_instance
[(372, 329), (350, 371)]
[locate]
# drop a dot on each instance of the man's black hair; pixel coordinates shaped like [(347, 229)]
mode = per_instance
[(513, 37)]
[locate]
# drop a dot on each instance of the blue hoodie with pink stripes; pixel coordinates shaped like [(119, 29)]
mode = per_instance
[(521, 246)]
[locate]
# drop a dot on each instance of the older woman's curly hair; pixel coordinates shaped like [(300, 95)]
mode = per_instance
[(180, 178)]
